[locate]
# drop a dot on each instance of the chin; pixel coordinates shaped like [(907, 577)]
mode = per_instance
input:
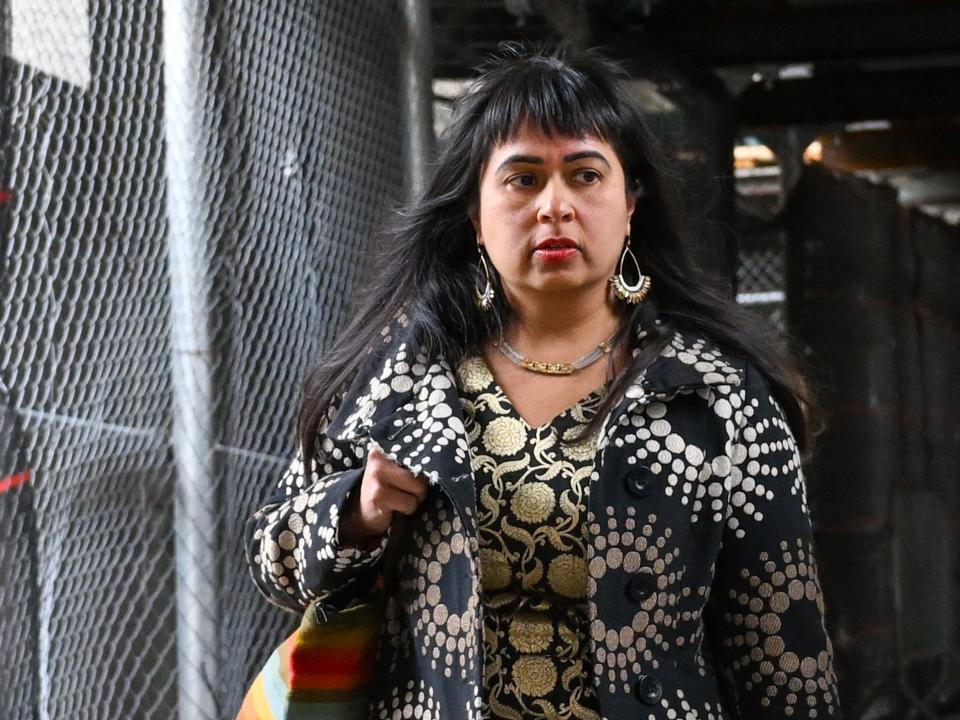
[(557, 283)]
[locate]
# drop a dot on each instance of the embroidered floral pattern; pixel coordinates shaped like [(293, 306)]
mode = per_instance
[(533, 572)]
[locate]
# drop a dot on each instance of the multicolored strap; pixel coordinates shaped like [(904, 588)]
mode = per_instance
[(320, 672)]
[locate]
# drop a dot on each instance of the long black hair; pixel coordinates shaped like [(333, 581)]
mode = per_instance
[(427, 262)]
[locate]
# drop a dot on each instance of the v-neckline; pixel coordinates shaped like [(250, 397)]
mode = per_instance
[(516, 413)]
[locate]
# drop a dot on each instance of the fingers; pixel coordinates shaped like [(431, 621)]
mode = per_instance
[(387, 499), (388, 473), (385, 488)]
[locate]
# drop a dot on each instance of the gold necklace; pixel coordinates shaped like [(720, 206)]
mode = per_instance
[(555, 368)]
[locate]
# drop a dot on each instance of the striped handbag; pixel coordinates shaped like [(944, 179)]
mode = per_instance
[(322, 671)]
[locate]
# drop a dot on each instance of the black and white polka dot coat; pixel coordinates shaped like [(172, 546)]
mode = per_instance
[(703, 595)]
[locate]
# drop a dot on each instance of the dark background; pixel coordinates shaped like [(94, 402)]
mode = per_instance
[(188, 193)]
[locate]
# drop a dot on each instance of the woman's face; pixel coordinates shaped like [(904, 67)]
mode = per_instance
[(553, 212)]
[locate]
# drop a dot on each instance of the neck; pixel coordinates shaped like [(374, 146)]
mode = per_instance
[(556, 326)]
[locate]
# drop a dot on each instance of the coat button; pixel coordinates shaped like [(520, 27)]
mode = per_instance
[(649, 689), (638, 482), (640, 586)]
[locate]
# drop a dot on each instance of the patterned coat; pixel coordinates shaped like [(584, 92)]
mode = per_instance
[(703, 597)]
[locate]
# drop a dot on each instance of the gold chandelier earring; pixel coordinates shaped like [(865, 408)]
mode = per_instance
[(631, 293), (484, 297)]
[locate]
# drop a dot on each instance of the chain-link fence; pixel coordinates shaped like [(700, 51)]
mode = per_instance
[(761, 252), (187, 194), (266, 140)]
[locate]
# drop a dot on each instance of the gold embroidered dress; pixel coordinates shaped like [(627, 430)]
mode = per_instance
[(531, 507)]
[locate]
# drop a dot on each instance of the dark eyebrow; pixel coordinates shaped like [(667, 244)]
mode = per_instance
[(534, 160), (526, 159), (585, 154)]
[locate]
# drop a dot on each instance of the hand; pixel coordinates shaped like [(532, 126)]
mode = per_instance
[(386, 488)]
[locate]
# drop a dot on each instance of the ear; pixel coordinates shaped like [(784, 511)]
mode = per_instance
[(474, 214), (631, 206)]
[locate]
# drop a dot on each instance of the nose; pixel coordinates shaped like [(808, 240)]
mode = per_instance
[(555, 205)]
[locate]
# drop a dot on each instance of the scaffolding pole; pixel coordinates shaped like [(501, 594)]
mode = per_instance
[(417, 94), (188, 139)]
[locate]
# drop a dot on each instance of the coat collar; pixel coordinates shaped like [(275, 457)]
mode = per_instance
[(688, 361), (399, 384), (406, 402)]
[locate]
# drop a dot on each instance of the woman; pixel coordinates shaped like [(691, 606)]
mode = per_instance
[(606, 515)]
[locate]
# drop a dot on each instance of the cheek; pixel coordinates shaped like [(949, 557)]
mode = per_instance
[(618, 221), (606, 218), (503, 217), (609, 253), (607, 226)]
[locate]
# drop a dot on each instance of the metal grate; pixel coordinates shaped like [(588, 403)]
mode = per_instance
[(299, 155), (760, 274)]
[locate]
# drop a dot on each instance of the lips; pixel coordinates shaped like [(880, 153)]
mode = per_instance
[(556, 243), (555, 250)]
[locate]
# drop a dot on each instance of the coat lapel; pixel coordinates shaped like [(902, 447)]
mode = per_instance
[(407, 403)]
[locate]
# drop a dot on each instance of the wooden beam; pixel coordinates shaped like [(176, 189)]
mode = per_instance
[(849, 97), (822, 34)]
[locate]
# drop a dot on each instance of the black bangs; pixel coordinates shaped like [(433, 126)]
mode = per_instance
[(559, 101), (558, 96)]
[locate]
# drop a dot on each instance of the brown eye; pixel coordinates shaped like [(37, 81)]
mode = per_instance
[(526, 180), (589, 177)]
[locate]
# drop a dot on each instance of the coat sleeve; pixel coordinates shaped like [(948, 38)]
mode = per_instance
[(766, 611), (292, 542)]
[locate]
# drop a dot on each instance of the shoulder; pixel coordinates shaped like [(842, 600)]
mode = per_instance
[(735, 387), (691, 359)]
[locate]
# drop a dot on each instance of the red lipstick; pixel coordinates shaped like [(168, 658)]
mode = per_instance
[(556, 249)]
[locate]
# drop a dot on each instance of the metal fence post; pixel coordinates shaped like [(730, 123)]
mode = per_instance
[(188, 139), (417, 94)]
